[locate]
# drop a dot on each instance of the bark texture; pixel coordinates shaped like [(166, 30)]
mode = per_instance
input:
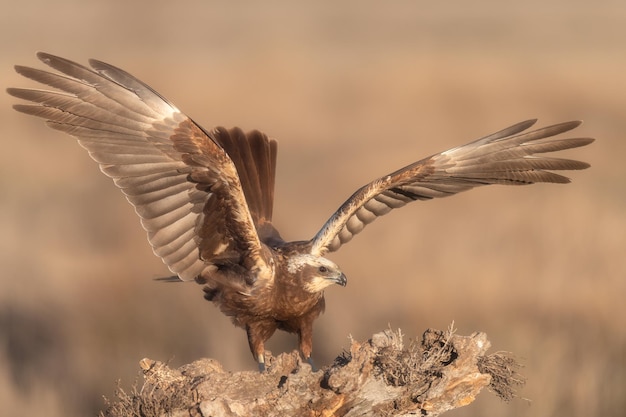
[(380, 377)]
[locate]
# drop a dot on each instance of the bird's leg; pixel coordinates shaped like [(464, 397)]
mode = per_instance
[(305, 338), (258, 333)]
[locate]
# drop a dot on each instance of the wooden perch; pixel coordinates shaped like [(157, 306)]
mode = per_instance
[(380, 377)]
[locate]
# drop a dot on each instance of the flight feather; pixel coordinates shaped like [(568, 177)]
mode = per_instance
[(182, 182)]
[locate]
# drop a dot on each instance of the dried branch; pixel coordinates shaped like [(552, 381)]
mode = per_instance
[(380, 377)]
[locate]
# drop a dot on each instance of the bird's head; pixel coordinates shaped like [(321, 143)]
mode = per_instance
[(316, 272)]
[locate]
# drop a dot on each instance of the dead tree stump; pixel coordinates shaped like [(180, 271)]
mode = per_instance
[(379, 377)]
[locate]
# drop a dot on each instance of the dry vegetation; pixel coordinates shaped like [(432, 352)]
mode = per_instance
[(351, 92), (381, 377)]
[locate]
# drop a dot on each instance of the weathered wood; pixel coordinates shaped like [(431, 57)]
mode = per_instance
[(379, 377)]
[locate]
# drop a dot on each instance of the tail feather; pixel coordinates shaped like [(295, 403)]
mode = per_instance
[(254, 156)]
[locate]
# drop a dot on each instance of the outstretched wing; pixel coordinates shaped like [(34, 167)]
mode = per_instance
[(182, 183), (506, 157)]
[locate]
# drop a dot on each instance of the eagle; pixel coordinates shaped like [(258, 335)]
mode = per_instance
[(205, 196)]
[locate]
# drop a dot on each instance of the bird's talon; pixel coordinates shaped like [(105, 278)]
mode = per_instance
[(262, 363), (310, 362)]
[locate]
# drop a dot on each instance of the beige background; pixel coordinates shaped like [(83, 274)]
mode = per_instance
[(352, 90)]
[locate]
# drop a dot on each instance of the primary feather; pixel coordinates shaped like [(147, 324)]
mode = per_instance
[(508, 157)]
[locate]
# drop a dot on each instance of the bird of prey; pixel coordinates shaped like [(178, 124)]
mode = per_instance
[(205, 196)]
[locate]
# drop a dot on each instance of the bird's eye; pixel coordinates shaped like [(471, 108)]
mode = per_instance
[(323, 269)]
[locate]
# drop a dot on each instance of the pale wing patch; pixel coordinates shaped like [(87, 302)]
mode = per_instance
[(127, 128), (505, 157)]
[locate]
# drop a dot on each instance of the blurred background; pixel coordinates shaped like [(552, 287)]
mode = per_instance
[(352, 90)]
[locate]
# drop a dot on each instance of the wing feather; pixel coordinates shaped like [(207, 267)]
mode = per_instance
[(168, 167), (510, 156)]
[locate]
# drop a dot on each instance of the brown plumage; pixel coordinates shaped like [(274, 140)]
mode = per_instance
[(205, 197)]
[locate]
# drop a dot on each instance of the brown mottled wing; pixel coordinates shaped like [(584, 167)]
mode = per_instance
[(506, 157), (183, 185)]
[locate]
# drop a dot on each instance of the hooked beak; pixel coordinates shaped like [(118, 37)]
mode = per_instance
[(340, 280)]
